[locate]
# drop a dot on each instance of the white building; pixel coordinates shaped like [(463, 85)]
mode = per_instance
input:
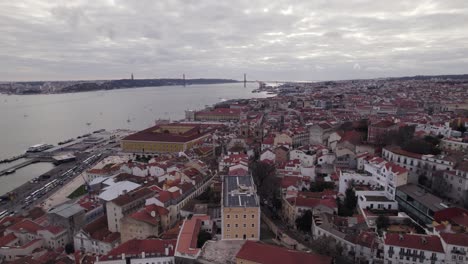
[(413, 248), (307, 158), (454, 144), (143, 251), (267, 154), (417, 164), (96, 238), (125, 205), (456, 247)]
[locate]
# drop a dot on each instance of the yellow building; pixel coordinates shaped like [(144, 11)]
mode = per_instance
[(218, 114), (168, 138), (240, 209)]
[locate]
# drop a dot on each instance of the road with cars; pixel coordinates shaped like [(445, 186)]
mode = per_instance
[(34, 192)]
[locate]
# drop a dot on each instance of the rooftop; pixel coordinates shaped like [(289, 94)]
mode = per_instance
[(221, 252), (117, 189), (135, 247), (420, 195), (421, 242), (99, 230), (377, 198), (188, 236), (132, 196), (67, 210), (263, 253), (239, 191), (175, 132)]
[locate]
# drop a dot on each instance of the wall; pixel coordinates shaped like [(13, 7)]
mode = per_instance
[(248, 216)]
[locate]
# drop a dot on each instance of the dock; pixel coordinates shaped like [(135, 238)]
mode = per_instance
[(13, 158), (28, 162)]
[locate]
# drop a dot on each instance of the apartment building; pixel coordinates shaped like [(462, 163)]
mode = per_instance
[(240, 209), (124, 205)]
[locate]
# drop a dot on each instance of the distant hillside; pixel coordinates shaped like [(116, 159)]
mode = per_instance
[(428, 77), (127, 83)]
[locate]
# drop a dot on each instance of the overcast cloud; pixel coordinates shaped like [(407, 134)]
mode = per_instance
[(269, 40)]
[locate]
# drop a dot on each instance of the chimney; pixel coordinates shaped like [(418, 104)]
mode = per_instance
[(143, 254), (123, 256), (400, 236), (166, 251)]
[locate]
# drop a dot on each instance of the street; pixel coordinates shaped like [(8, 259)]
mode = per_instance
[(34, 192)]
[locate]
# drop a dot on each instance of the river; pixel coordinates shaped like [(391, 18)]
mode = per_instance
[(26, 120)]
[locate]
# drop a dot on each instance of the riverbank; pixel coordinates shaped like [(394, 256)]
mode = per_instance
[(51, 118), (61, 87)]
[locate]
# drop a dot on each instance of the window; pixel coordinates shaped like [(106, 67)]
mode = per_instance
[(245, 216), (228, 225), (237, 225), (253, 225), (253, 216), (228, 216)]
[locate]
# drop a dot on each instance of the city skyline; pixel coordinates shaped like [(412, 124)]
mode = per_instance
[(317, 40)]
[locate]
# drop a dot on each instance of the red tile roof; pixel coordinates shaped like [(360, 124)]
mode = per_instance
[(399, 151), (194, 131), (54, 229), (395, 168), (302, 201), (455, 239), (287, 181), (454, 214), (99, 230), (26, 225), (188, 236), (145, 214), (421, 242), (262, 253), (136, 247), (132, 196), (5, 240)]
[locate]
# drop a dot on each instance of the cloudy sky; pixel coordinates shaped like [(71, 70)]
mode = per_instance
[(269, 40)]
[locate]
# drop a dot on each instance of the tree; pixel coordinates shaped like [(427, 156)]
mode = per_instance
[(320, 186), (326, 246), (432, 140), (350, 200), (347, 126), (400, 138), (421, 147), (203, 236), (210, 196), (440, 186), (423, 180), (69, 249), (348, 206), (264, 177), (304, 222), (382, 222)]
